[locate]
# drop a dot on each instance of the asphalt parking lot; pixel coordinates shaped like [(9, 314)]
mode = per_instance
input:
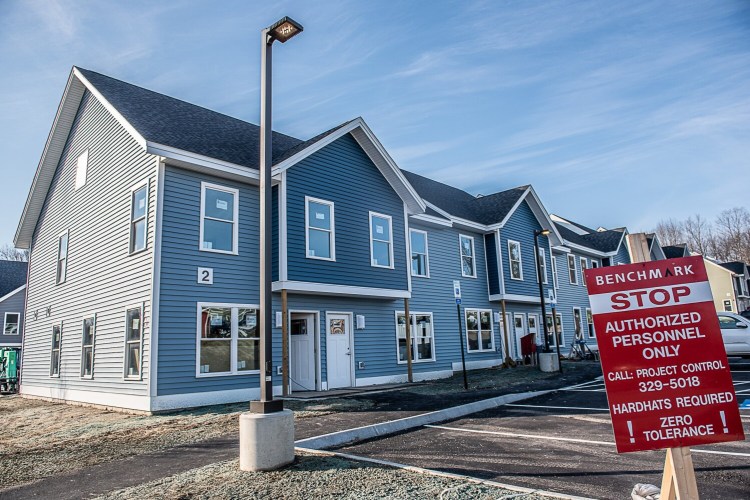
[(563, 442)]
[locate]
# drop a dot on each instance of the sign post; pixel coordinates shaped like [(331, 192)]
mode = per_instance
[(457, 295), (665, 368)]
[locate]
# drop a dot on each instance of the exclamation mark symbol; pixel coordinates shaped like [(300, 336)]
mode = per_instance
[(724, 421), (630, 430)]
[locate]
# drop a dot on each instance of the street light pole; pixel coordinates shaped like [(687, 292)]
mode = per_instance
[(537, 233)]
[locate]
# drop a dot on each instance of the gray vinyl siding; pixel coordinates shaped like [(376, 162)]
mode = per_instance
[(102, 278), (235, 279), (12, 304)]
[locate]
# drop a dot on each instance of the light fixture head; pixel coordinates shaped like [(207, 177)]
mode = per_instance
[(542, 232), (284, 29)]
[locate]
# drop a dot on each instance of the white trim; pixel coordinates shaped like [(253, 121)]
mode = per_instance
[(316, 346), (235, 219), (593, 327), (153, 348), (59, 350), (591, 251), (479, 348), (583, 261), (18, 324), (195, 399), (403, 378), (233, 339), (514, 297), (12, 344), (510, 260), (198, 160), (473, 256), (125, 376), (283, 262), (65, 233), (572, 272), (124, 401), (580, 315), (352, 353), (432, 220), (555, 276), (307, 287), (82, 166), (331, 232), (500, 271), (426, 254), (477, 364), (131, 221), (390, 240), (411, 334), (10, 294), (83, 346), (524, 331)]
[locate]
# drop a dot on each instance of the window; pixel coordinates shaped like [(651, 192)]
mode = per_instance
[(320, 229), (422, 337), (62, 258), (554, 272), (594, 264), (219, 207), (578, 323), (590, 321), (138, 211), (543, 255), (54, 364), (87, 348), (514, 258), (468, 265), (584, 266), (381, 240), (479, 330), (81, 167), (728, 305), (419, 264), (133, 342), (558, 328), (10, 324), (572, 270), (228, 340)]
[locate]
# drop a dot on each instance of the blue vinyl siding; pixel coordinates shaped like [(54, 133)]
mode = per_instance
[(343, 173), (490, 249), (570, 296), (520, 227), (622, 257)]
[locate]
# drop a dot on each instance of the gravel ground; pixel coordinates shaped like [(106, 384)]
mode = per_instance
[(312, 477)]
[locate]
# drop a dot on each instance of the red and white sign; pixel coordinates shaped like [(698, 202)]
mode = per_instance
[(665, 368)]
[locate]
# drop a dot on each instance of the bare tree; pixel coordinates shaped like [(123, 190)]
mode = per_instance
[(698, 235), (733, 234), (8, 252), (670, 232)]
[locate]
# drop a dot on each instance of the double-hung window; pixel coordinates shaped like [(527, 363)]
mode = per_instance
[(11, 322), (584, 266), (320, 229), (514, 259), (133, 342), (572, 269), (381, 240), (138, 213), (219, 213), (553, 259), (54, 363), (419, 264), (422, 337), (557, 328), (590, 322), (468, 262), (228, 340), (87, 347), (479, 332), (543, 265), (62, 258)]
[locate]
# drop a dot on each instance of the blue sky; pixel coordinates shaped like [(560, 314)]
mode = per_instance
[(619, 113)]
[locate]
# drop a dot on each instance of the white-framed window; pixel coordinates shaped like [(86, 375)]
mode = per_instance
[(219, 215), (590, 322), (422, 337), (54, 362), (420, 265), (584, 266), (479, 330), (468, 262), (553, 339), (572, 269), (11, 323), (133, 342), (514, 260), (577, 323), (62, 258), (543, 264), (82, 165), (138, 216), (228, 340), (320, 229), (555, 279), (381, 240), (87, 347), (594, 264)]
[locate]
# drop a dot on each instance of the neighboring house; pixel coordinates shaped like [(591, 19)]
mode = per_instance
[(644, 247), (722, 281), (676, 251), (12, 301), (741, 283)]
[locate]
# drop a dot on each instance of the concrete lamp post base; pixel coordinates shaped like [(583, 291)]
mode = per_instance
[(549, 362), (266, 440)]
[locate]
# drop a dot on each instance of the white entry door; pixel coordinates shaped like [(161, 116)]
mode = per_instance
[(338, 350), (302, 352), (533, 324), (519, 328)]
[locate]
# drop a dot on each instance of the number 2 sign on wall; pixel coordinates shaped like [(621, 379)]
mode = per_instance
[(205, 276)]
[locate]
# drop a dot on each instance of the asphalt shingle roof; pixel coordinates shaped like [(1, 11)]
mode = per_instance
[(736, 267), (179, 124), (12, 275), (674, 251), (603, 241)]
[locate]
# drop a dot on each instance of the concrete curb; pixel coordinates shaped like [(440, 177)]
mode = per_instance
[(393, 426)]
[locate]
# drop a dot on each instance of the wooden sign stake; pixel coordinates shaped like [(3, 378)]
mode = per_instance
[(678, 482)]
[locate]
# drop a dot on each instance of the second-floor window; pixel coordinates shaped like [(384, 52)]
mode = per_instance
[(219, 207), (10, 326), (82, 165), (543, 264), (553, 259), (514, 259), (62, 258), (320, 231), (584, 266), (572, 269), (138, 210), (468, 262), (419, 264), (381, 240)]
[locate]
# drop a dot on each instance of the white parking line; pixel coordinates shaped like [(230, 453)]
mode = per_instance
[(557, 407), (574, 440), (584, 390)]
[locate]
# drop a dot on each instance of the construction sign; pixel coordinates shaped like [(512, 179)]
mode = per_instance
[(665, 368)]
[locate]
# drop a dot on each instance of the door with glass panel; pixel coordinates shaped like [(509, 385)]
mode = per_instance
[(533, 328), (302, 352), (338, 350), (519, 328)]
